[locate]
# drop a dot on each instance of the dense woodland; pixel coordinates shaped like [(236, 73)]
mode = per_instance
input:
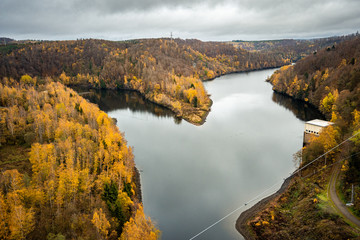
[(165, 71), (76, 178), (291, 49), (330, 80), (66, 171)]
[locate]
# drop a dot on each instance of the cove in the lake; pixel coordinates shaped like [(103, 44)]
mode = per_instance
[(192, 176)]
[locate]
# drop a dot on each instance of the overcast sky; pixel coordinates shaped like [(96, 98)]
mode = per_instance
[(202, 19)]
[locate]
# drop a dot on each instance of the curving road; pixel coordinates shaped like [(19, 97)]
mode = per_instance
[(335, 199)]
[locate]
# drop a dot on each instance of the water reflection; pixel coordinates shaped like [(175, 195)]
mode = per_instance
[(109, 100), (301, 110), (194, 175)]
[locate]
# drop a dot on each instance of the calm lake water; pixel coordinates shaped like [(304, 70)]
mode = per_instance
[(192, 176)]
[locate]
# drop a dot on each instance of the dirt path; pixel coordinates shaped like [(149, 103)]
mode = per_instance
[(241, 223), (335, 199)]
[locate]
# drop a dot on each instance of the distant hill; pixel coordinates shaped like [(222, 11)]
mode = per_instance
[(292, 49), (4, 40), (165, 71)]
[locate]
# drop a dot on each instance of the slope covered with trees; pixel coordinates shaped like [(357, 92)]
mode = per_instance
[(292, 49), (330, 80), (166, 71), (77, 180)]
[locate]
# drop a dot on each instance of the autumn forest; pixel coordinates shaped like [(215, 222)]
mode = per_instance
[(66, 169), (329, 80)]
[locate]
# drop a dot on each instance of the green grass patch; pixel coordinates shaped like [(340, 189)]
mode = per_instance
[(325, 205)]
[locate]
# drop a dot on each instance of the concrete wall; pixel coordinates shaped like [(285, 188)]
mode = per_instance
[(309, 128), (307, 137)]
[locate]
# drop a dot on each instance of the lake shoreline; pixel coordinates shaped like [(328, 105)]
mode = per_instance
[(137, 181), (243, 220), (297, 99), (241, 224), (240, 71), (194, 115), (145, 128)]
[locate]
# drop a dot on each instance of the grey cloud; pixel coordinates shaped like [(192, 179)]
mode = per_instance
[(114, 6), (204, 19)]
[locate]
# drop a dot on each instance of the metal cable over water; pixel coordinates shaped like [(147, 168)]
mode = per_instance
[(266, 190)]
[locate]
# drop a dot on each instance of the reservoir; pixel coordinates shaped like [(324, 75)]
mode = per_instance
[(192, 176)]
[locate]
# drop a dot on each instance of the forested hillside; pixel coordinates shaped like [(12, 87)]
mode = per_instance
[(165, 71), (67, 172), (66, 169), (292, 49), (330, 80)]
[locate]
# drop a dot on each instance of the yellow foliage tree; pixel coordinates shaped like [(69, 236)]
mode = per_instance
[(139, 227), (21, 222), (328, 101), (356, 116), (26, 79), (325, 75), (329, 137), (4, 217), (42, 158), (100, 222), (64, 79)]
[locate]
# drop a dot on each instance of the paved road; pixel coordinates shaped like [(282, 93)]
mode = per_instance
[(334, 197)]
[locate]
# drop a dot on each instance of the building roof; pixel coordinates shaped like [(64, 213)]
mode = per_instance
[(319, 123)]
